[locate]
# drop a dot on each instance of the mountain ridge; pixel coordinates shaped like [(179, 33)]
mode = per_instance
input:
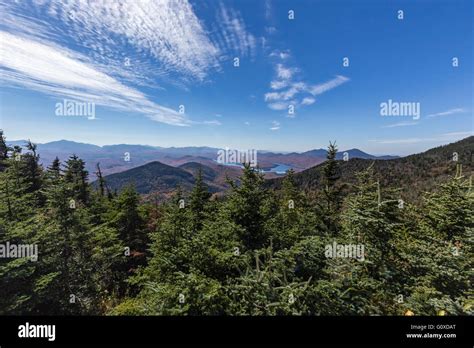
[(121, 157), (414, 174), (320, 151)]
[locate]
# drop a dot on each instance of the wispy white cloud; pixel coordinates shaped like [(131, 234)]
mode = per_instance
[(293, 89), (98, 50), (400, 124), (285, 73), (447, 113), (283, 55), (159, 37), (308, 101), (233, 35), (278, 106), (56, 71), (286, 90), (263, 43), (268, 9), (439, 114), (452, 136), (275, 126), (278, 84), (213, 123), (328, 85), (402, 141), (459, 134)]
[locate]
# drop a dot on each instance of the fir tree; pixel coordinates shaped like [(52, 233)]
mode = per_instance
[(198, 201), (331, 196), (4, 149), (75, 176), (246, 206)]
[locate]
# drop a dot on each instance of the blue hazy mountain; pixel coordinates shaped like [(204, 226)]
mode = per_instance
[(121, 157)]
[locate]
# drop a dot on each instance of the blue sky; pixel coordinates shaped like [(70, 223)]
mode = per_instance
[(138, 61)]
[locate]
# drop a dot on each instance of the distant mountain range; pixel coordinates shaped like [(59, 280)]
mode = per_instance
[(123, 157), (159, 171), (412, 174)]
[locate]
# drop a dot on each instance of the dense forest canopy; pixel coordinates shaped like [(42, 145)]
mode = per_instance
[(259, 250)]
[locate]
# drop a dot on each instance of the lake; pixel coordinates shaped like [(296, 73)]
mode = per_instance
[(278, 168)]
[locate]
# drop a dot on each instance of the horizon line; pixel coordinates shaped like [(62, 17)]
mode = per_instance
[(220, 148), (204, 146)]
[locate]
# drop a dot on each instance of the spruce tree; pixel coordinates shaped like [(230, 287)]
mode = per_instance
[(441, 252), (75, 176), (293, 217), (331, 195), (247, 205), (126, 217), (198, 201), (4, 149)]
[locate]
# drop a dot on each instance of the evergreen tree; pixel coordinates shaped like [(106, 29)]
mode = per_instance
[(31, 170), (198, 200), (441, 252), (267, 286), (331, 195), (55, 168), (170, 246), (247, 206), (372, 222), (252, 252), (292, 218), (20, 185), (75, 176), (4, 149), (127, 219)]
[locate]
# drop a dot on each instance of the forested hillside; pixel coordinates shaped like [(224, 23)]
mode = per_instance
[(158, 181), (413, 175), (256, 251), (153, 176)]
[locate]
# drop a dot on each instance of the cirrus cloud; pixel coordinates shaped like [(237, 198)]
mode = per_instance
[(104, 51), (59, 72)]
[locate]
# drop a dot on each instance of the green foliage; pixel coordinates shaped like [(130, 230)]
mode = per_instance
[(256, 251), (198, 201), (247, 207), (441, 251), (75, 176), (331, 193), (413, 175)]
